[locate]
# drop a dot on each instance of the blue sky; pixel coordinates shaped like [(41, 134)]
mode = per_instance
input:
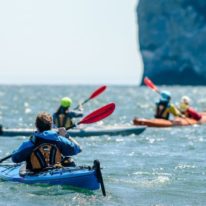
[(69, 42)]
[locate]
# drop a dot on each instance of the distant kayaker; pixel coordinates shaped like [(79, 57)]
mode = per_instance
[(164, 108), (187, 110), (46, 147), (63, 116)]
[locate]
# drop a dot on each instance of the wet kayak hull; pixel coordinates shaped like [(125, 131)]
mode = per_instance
[(169, 123), (80, 177)]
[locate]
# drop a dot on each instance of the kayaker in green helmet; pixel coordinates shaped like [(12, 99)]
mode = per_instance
[(63, 116), (46, 148), (164, 108)]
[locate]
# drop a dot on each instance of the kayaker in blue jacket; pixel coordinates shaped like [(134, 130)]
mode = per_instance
[(63, 116), (46, 147)]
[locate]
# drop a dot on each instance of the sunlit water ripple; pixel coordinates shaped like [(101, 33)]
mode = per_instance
[(159, 167)]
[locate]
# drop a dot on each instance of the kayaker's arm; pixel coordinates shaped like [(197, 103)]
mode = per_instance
[(73, 140), (75, 114), (23, 152), (174, 111), (69, 146), (63, 132)]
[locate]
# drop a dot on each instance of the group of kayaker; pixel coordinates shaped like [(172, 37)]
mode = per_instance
[(47, 147), (164, 108)]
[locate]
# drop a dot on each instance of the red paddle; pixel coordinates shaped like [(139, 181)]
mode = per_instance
[(151, 85), (96, 115), (96, 93)]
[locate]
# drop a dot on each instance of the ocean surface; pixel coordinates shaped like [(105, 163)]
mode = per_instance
[(160, 167)]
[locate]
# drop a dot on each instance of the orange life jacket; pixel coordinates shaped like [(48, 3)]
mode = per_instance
[(45, 156)]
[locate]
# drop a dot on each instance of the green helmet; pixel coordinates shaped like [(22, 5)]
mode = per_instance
[(66, 102)]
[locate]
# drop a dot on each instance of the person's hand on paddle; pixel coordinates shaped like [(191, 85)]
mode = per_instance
[(62, 131), (80, 107)]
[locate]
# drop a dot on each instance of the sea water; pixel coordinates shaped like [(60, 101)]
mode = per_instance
[(160, 167)]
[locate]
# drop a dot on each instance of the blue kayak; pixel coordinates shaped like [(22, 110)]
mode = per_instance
[(87, 132), (81, 177)]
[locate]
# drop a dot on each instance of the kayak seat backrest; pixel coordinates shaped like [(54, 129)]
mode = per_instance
[(45, 156)]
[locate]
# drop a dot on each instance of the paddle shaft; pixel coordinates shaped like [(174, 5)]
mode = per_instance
[(94, 94), (84, 102), (5, 158)]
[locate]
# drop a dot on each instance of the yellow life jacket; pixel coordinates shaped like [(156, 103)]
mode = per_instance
[(183, 107), (44, 156), (62, 120)]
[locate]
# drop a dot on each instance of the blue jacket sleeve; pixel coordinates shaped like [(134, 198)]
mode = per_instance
[(23, 152), (68, 147)]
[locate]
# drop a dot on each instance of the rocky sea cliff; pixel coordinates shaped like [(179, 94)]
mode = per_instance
[(172, 40)]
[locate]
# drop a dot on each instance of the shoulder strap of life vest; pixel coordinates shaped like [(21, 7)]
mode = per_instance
[(45, 155)]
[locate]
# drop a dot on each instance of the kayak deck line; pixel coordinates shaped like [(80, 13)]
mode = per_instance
[(87, 132)]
